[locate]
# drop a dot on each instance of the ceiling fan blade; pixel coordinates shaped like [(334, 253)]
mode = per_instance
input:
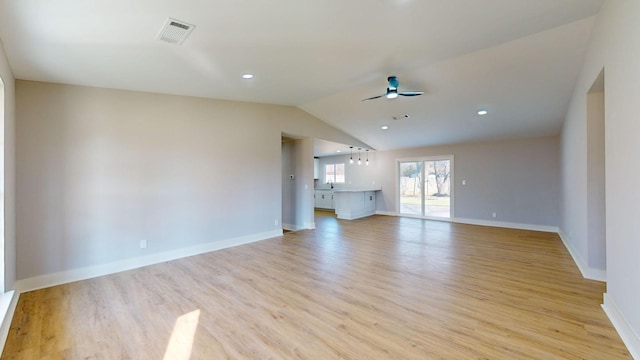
[(411, 93), (375, 97)]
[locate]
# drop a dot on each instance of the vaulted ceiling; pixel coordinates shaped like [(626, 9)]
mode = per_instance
[(517, 59)]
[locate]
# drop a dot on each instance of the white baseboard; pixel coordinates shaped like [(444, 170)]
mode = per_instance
[(629, 337), (8, 303), (508, 225), (292, 227), (501, 224), (386, 213), (309, 225), (68, 276), (587, 272)]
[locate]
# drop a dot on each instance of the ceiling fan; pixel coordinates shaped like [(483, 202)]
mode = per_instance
[(392, 90)]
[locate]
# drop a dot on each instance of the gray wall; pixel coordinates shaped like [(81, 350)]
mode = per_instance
[(296, 214), (9, 173), (517, 179), (99, 170), (304, 189), (614, 46), (288, 186)]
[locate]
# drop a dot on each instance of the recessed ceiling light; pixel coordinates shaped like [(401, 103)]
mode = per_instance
[(384, 127), (247, 76), (482, 112), (338, 150)]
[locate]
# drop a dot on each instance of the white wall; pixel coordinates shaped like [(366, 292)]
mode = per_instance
[(517, 179), (99, 170), (356, 176), (615, 47), (9, 172)]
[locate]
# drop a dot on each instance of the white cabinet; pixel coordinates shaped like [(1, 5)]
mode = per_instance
[(316, 168), (369, 201), (324, 199), (355, 204)]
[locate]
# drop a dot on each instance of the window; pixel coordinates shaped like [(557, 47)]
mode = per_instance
[(334, 173), (425, 187)]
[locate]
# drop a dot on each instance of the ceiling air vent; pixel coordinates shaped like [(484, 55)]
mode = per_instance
[(175, 31)]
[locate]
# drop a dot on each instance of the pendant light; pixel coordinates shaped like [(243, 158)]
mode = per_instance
[(367, 162), (359, 160), (351, 158)]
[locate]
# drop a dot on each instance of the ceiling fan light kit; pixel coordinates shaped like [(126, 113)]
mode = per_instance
[(392, 90)]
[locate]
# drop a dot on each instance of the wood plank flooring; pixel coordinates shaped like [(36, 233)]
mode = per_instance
[(374, 288)]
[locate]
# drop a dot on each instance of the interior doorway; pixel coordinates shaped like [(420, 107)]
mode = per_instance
[(297, 182)]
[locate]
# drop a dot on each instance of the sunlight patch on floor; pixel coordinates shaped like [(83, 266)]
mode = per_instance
[(181, 342)]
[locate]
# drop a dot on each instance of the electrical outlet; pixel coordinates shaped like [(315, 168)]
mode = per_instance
[(464, 182), (143, 244), (494, 215), (275, 222)]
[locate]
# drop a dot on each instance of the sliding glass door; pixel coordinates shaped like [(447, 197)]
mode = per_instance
[(425, 187)]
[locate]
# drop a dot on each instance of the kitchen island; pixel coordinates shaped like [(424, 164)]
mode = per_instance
[(353, 204)]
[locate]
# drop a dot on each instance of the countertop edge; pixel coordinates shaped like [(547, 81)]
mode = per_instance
[(356, 190)]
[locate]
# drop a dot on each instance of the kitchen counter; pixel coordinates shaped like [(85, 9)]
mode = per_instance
[(323, 199), (353, 204), (356, 190)]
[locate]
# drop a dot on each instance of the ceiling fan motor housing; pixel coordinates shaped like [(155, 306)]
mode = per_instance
[(393, 82)]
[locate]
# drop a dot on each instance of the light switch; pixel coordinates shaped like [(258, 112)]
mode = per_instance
[(464, 182)]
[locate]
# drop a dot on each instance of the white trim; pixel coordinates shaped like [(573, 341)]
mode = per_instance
[(629, 337), (63, 277), (500, 224), (292, 227), (8, 303), (434, 218), (355, 217), (504, 224), (587, 272), (309, 226)]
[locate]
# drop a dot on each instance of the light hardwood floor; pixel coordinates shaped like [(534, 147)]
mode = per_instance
[(374, 288)]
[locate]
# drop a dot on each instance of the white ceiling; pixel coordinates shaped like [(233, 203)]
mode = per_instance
[(519, 59)]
